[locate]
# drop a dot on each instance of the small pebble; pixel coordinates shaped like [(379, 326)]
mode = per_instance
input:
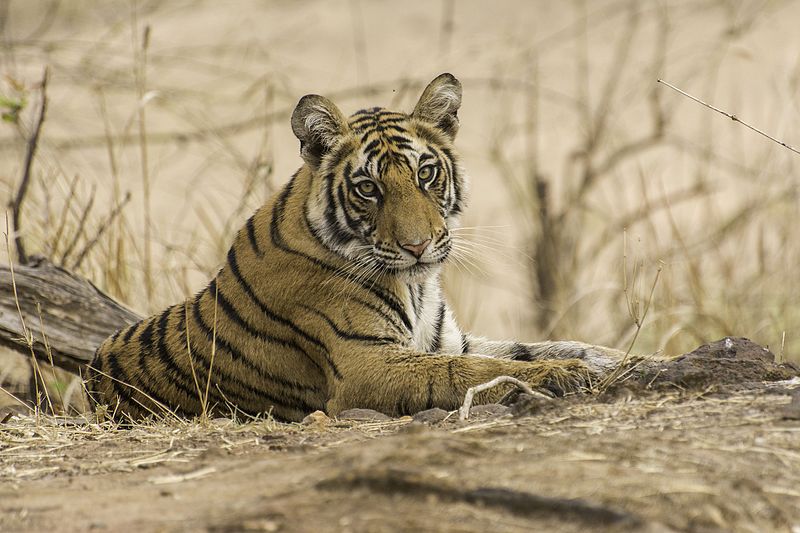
[(430, 416), (363, 415), (317, 418)]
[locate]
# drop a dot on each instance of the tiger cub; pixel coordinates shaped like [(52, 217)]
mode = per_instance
[(330, 297)]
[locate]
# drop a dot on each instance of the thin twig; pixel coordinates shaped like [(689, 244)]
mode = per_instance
[(463, 411), (33, 143), (81, 229), (62, 222), (103, 227), (729, 115)]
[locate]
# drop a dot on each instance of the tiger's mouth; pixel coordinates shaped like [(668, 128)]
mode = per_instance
[(400, 263)]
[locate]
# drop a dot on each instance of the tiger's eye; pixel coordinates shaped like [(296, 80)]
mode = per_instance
[(426, 175), (367, 189)]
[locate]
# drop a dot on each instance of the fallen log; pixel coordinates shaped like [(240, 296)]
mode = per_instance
[(60, 310)]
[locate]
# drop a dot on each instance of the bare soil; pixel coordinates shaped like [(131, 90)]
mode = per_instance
[(709, 457)]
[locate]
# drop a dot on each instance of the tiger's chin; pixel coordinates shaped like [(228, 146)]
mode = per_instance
[(417, 272)]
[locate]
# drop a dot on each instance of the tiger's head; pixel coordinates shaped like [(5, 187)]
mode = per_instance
[(386, 186)]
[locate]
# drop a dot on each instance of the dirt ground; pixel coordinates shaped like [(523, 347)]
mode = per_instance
[(710, 457)]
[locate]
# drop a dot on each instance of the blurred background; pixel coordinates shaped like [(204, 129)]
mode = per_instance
[(603, 204)]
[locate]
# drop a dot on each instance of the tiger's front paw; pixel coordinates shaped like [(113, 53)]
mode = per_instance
[(561, 377)]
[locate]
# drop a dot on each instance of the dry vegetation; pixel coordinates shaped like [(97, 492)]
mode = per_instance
[(606, 208)]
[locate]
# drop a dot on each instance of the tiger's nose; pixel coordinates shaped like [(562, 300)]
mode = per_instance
[(416, 248)]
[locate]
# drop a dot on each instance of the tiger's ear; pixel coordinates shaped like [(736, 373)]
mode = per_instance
[(319, 124), (439, 104)]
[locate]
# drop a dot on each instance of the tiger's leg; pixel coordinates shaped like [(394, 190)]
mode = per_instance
[(398, 381), (448, 338), (599, 359)]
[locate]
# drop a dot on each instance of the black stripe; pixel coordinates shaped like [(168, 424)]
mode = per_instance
[(239, 401), (349, 335), (412, 295), (399, 139), (464, 343), (389, 319), (299, 403), (332, 221), (437, 336), (234, 315), (115, 370), (362, 122), (126, 338), (146, 338), (520, 352), (122, 384), (274, 317), (352, 223), (235, 353), (251, 234), (146, 351), (181, 379), (371, 145)]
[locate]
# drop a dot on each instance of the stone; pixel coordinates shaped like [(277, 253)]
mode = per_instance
[(317, 418), (430, 416), (363, 415)]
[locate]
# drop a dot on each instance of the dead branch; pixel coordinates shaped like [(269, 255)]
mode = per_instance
[(729, 115), (30, 152), (80, 229), (463, 411), (75, 315), (103, 227)]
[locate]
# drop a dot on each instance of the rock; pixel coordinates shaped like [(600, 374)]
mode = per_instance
[(728, 361), (363, 415), (732, 348), (489, 410), (431, 416), (317, 418)]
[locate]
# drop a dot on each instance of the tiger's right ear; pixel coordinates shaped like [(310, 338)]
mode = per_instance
[(318, 124)]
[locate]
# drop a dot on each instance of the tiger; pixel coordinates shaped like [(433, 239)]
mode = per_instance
[(330, 297)]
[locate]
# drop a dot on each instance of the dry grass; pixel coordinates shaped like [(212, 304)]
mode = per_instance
[(159, 143), (32, 446)]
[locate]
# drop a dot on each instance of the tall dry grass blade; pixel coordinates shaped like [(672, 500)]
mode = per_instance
[(140, 50)]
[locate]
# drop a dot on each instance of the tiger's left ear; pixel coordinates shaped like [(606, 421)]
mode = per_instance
[(439, 104), (318, 124)]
